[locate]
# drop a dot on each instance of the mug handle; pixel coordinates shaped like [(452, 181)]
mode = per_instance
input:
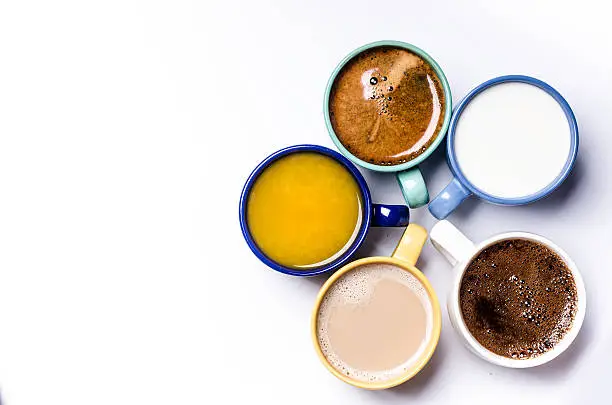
[(390, 215), (413, 187), (449, 241), (449, 199), (410, 245)]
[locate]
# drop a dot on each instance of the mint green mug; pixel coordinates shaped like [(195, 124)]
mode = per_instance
[(408, 174)]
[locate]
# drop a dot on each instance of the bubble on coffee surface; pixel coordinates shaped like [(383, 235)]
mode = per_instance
[(525, 306), (356, 288)]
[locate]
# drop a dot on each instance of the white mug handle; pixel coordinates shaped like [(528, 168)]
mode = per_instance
[(449, 241)]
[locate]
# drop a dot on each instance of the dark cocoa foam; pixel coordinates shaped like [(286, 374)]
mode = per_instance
[(387, 105), (518, 298)]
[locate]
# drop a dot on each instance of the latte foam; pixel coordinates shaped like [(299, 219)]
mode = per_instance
[(374, 322)]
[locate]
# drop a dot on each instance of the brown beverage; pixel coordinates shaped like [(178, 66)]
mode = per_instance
[(374, 322), (518, 298), (387, 105)]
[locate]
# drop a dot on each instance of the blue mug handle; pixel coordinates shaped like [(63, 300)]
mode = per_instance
[(390, 215), (449, 199)]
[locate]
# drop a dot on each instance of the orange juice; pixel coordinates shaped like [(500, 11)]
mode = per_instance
[(304, 210)]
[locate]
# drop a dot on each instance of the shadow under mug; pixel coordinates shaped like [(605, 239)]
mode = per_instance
[(408, 174), (373, 214), (405, 257), (461, 188), (460, 252)]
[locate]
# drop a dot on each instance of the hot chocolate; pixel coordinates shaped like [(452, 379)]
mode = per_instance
[(518, 298)]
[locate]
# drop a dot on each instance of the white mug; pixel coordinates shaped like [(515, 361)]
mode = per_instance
[(460, 251)]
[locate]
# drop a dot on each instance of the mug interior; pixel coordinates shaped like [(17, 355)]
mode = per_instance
[(427, 352), (447, 106), (348, 252), (565, 171), (567, 339)]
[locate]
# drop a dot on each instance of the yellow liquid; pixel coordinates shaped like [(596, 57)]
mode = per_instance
[(304, 210)]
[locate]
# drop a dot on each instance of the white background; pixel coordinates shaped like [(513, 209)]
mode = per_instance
[(127, 129)]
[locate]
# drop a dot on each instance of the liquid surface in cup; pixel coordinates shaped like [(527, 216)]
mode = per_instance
[(387, 105), (374, 322), (518, 298), (512, 140), (304, 210)]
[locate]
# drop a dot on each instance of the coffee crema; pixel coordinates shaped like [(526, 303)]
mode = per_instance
[(518, 298), (374, 322), (386, 105)]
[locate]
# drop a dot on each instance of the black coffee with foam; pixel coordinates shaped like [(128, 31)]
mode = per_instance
[(518, 298)]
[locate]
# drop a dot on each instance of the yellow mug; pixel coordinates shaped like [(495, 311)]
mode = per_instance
[(405, 257)]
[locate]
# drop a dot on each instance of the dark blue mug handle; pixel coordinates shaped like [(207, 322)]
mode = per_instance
[(390, 215), (448, 199)]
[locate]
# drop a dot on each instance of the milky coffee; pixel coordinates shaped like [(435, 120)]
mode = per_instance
[(374, 322)]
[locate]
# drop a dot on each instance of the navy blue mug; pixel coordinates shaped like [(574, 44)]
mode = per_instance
[(374, 214)]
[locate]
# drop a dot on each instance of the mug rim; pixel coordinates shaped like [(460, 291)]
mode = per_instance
[(429, 349), (495, 358), (365, 223), (563, 174), (447, 106)]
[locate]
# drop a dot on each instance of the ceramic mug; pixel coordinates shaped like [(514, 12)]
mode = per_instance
[(460, 252), (373, 214), (408, 174), (461, 187), (405, 257)]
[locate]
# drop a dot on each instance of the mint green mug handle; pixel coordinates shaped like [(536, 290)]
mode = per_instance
[(413, 187)]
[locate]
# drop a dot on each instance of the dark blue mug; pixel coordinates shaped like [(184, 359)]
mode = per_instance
[(374, 214)]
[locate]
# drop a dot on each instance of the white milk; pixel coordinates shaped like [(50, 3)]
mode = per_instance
[(512, 140)]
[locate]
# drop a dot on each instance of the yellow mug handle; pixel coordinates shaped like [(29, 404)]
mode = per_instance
[(409, 247)]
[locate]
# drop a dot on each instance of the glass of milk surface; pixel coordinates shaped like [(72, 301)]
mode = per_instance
[(511, 141)]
